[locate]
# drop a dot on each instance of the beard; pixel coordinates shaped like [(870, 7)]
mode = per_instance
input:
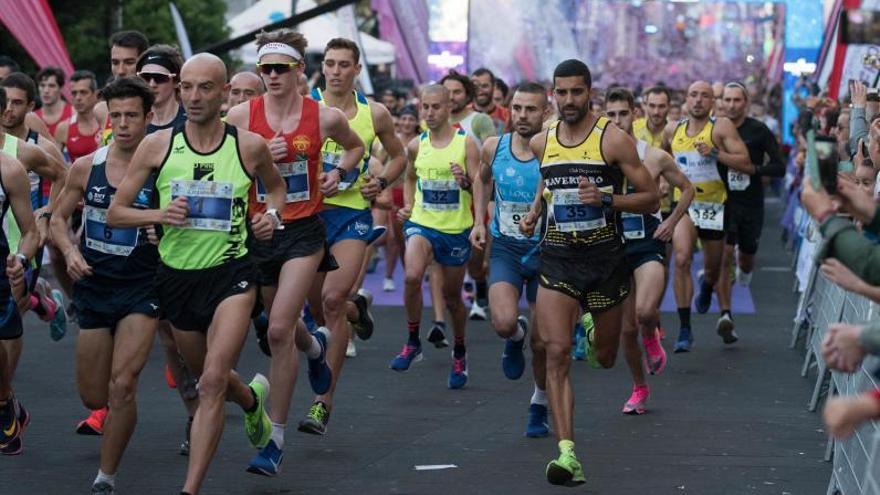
[(580, 114)]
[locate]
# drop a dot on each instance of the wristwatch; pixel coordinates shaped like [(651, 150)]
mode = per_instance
[(341, 171), (23, 259), (383, 183), (607, 200)]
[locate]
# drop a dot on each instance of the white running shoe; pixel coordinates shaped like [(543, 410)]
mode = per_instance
[(388, 285), (351, 350), (477, 312), (742, 278)]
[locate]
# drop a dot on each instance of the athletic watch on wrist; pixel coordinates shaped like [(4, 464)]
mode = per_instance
[(23, 259), (383, 183), (607, 200), (341, 171)]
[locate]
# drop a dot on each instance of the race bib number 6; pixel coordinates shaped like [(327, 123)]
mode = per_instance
[(708, 216)]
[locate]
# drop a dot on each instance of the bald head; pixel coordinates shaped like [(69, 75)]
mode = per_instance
[(204, 66), (203, 87), (243, 86), (700, 99)]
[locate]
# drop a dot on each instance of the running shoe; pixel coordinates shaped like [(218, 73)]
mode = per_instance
[(58, 325), (388, 285), (637, 401), (261, 328), (725, 329), (102, 488), (315, 422), (169, 377), (184, 446), (15, 446), (655, 352), (437, 337), (685, 340), (513, 361), (565, 470), (478, 312), (590, 341), (363, 325), (320, 375), (10, 428), (257, 425), (308, 319), (580, 342), (94, 424), (743, 278), (411, 353), (350, 349), (458, 375), (537, 426), (704, 298), (267, 462)]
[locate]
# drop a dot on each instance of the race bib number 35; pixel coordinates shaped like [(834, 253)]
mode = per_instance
[(709, 216), (572, 215), (106, 239), (210, 203), (296, 178), (440, 195)]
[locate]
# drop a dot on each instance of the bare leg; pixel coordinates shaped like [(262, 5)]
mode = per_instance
[(557, 314)]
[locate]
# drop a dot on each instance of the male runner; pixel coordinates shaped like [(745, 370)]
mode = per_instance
[(484, 99), (205, 281), (244, 86), (125, 49), (347, 215), (114, 270), (54, 110), (646, 238), (502, 91), (442, 172), (14, 193), (745, 202), (650, 128), (8, 66), (698, 143), (79, 135), (159, 67), (479, 127), (509, 168), (294, 127), (584, 162)]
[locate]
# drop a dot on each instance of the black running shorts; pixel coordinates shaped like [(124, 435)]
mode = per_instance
[(598, 283)]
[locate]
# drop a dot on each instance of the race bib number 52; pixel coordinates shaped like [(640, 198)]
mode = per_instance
[(708, 216)]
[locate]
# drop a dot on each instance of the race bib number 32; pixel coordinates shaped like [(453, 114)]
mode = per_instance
[(709, 216), (440, 195), (210, 203)]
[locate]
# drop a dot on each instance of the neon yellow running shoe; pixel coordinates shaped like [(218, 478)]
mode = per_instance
[(590, 341), (565, 470), (257, 424)]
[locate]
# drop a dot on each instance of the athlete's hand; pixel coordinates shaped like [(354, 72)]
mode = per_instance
[(842, 348), (152, 235), (404, 213), (838, 273), (528, 223), (589, 193), (704, 149), (77, 267), (176, 212), (843, 415), (278, 147), (478, 236), (664, 231), (329, 183), (370, 188), (461, 178), (263, 227)]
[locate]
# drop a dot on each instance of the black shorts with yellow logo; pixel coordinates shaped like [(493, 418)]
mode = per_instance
[(598, 282)]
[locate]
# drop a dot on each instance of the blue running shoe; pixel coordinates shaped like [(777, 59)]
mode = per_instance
[(320, 375), (308, 319), (704, 297), (684, 342), (537, 426), (267, 462), (261, 327), (411, 353), (58, 326), (513, 361), (580, 342), (458, 376)]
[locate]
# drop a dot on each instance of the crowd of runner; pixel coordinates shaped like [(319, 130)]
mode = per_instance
[(182, 200)]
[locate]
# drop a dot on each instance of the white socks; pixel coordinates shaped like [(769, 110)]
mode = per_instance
[(110, 479), (518, 335), (278, 434), (539, 397)]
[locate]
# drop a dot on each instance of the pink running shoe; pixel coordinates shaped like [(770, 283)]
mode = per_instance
[(656, 355), (637, 401)]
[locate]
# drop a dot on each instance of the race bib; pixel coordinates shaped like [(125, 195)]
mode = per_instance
[(572, 215), (696, 167), (509, 215), (210, 203), (709, 216), (738, 181), (331, 161), (440, 195), (105, 239), (296, 177), (633, 226)]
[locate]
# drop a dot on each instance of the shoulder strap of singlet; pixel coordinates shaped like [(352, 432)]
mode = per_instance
[(316, 94), (361, 98), (100, 155), (32, 137)]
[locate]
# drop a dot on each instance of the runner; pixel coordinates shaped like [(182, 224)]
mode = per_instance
[(584, 162), (126, 48), (347, 214), (646, 238), (698, 143), (511, 170), (159, 67), (650, 128), (79, 135), (244, 86), (407, 129), (294, 127), (114, 270), (54, 110), (484, 99), (745, 202), (8, 66), (205, 281), (14, 193), (502, 91), (441, 178)]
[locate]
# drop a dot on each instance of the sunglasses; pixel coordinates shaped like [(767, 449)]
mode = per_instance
[(279, 68), (155, 76)]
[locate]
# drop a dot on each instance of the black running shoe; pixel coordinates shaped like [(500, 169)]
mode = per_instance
[(437, 337), (363, 326)]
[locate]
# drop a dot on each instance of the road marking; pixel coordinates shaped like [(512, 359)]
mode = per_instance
[(776, 268), (435, 467)]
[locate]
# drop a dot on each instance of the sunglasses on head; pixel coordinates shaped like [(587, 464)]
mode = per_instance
[(278, 67), (155, 76)]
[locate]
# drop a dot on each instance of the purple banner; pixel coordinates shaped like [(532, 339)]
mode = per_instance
[(404, 23)]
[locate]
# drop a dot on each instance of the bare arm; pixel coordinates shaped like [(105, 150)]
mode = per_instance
[(384, 127), (472, 159), (71, 195), (538, 143), (239, 115), (35, 123), (619, 148), (335, 126), (17, 186), (61, 134), (46, 167), (409, 183), (145, 160), (731, 150), (487, 154), (258, 160), (663, 161), (668, 132)]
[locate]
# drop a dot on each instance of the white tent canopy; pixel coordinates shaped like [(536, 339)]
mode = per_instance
[(318, 31)]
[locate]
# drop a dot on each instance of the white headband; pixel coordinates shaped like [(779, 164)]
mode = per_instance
[(280, 49)]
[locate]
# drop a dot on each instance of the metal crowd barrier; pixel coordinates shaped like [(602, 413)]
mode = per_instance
[(856, 460)]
